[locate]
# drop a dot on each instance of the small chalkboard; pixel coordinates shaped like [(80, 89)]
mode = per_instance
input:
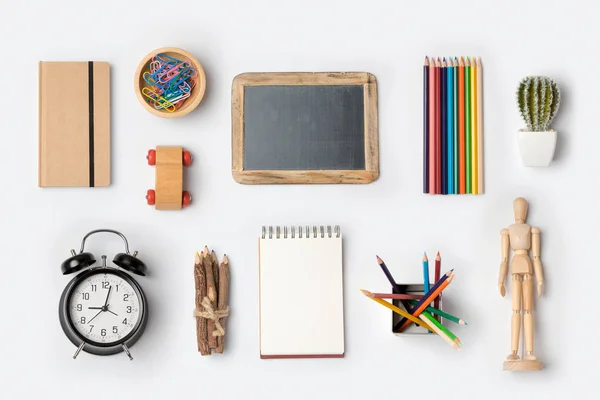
[(305, 128)]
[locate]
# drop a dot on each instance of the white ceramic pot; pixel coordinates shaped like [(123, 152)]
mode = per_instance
[(537, 148)]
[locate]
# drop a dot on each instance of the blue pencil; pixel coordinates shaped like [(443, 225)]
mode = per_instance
[(443, 127), (450, 129), (425, 274)]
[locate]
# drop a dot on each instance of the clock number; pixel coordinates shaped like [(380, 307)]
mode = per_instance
[(91, 327), (103, 332), (83, 320), (105, 285), (94, 287), (86, 296), (79, 307), (125, 297), (115, 329), (128, 309), (117, 288), (125, 321)]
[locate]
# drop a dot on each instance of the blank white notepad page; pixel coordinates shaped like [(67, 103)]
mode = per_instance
[(301, 296)]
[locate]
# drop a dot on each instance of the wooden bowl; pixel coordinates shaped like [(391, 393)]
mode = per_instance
[(191, 102)]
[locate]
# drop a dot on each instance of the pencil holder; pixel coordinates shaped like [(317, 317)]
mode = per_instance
[(170, 82), (413, 329)]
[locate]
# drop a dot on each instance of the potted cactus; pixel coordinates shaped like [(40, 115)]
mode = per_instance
[(538, 98)]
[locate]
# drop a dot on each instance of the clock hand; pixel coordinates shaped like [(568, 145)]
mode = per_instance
[(94, 308), (107, 295), (99, 312), (112, 313)]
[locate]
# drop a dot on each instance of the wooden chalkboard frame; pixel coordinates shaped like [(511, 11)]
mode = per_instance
[(367, 175)]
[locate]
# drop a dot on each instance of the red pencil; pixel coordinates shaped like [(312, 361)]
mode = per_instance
[(432, 105), (438, 129), (438, 266)]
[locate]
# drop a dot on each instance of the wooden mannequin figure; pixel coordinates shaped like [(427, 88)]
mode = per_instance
[(521, 237)]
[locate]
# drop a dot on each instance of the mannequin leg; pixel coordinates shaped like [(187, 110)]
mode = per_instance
[(515, 332), (528, 316)]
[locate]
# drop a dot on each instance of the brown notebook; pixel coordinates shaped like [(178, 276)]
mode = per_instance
[(74, 123)]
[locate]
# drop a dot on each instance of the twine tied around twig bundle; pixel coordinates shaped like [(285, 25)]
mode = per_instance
[(212, 314)]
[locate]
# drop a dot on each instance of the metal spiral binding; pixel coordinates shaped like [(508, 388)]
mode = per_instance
[(308, 232)]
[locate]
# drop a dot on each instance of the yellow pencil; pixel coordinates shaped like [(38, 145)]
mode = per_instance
[(479, 128), (397, 310), (474, 147)]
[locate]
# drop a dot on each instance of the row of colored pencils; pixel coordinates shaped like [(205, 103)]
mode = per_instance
[(452, 126), (419, 312)]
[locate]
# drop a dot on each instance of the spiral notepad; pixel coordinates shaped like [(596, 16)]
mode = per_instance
[(301, 292)]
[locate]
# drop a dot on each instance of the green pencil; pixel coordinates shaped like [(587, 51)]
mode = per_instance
[(442, 314), (441, 327), (468, 126)]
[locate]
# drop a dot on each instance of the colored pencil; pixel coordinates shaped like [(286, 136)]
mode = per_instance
[(396, 296), (432, 114), (468, 136), (443, 89), (397, 310), (426, 126), (438, 122), (388, 275), (427, 298), (450, 128), (425, 273), (438, 312), (438, 269), (461, 125), (441, 330), (455, 130), (479, 128), (474, 148)]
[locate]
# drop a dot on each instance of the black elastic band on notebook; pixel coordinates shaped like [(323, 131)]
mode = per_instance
[(91, 119)]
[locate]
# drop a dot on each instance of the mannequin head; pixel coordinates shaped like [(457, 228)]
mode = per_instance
[(520, 208)]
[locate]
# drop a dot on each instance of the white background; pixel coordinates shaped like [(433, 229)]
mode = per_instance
[(390, 217)]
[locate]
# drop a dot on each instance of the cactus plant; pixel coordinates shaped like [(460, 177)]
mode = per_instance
[(538, 98)]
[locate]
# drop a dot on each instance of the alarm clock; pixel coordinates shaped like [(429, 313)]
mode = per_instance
[(103, 310)]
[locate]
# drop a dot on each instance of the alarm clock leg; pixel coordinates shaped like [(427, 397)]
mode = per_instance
[(126, 349), (78, 350)]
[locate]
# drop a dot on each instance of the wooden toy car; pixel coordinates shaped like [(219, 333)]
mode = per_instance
[(168, 193)]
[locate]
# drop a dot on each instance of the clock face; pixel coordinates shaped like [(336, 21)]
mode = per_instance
[(104, 308)]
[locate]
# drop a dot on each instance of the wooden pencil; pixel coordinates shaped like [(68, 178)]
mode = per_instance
[(479, 127), (438, 122), (223, 298), (432, 115), (450, 127), (426, 126), (440, 313), (443, 127), (468, 136), (396, 296), (427, 299), (438, 270), (461, 126), (397, 310), (455, 120), (215, 267), (395, 287), (201, 323), (437, 327), (474, 147), (425, 273), (211, 293), (441, 326)]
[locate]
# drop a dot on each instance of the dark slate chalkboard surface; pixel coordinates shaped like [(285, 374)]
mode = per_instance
[(304, 127)]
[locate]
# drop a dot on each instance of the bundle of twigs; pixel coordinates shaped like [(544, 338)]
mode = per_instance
[(212, 296)]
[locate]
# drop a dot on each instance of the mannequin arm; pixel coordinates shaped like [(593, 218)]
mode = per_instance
[(537, 260), (505, 245)]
